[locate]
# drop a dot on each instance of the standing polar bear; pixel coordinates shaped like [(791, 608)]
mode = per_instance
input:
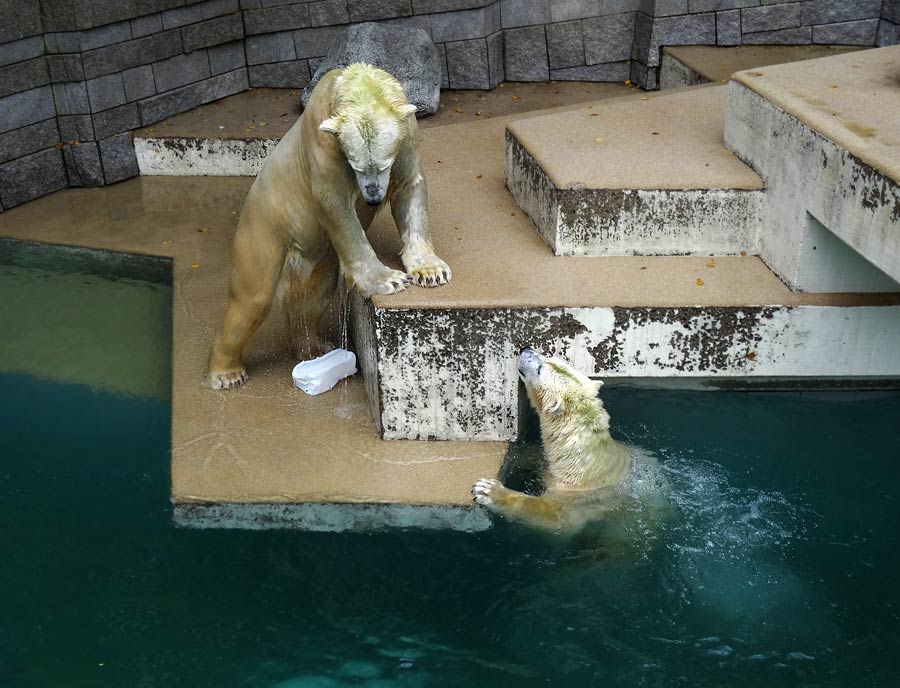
[(305, 217), (588, 474)]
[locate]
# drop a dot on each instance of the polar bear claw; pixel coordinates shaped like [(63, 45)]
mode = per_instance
[(481, 491)]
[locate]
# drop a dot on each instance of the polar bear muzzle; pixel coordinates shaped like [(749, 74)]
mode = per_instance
[(552, 384), (529, 364), (373, 186)]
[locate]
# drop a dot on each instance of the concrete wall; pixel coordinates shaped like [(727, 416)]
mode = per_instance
[(450, 374), (77, 75)]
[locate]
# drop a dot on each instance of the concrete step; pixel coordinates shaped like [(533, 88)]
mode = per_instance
[(440, 363), (638, 175), (824, 136), (232, 136), (689, 65)]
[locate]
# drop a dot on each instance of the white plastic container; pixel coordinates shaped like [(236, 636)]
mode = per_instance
[(322, 373)]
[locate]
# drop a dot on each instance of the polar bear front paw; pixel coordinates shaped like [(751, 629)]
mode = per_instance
[(384, 280), (486, 492), (428, 271)]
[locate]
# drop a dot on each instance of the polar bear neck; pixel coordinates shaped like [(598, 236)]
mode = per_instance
[(579, 451)]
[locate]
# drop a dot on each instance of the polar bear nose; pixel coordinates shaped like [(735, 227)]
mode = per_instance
[(529, 361), (374, 194), (529, 355)]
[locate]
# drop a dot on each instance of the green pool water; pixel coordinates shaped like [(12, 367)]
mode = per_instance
[(779, 569)]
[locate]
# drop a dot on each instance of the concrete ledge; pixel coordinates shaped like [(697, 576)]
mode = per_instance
[(688, 65), (451, 373), (673, 73), (180, 157), (620, 222), (852, 100), (232, 136), (330, 518), (822, 198), (641, 175)]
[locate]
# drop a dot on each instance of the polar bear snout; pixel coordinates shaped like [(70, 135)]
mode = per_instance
[(530, 363), (374, 195), (373, 187)]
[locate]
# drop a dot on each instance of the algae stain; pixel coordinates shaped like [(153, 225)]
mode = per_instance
[(859, 129)]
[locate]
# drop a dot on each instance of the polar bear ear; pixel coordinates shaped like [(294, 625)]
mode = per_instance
[(407, 110), (329, 126), (556, 407)]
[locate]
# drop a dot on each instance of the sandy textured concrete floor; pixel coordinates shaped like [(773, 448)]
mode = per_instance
[(718, 63), (852, 99), (268, 442), (666, 140)]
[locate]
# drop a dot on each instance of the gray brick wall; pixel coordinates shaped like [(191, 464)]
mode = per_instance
[(756, 22), (77, 75)]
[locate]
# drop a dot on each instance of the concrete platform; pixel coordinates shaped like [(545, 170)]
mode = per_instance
[(441, 363), (232, 136), (639, 175), (824, 136), (689, 65), (267, 444)]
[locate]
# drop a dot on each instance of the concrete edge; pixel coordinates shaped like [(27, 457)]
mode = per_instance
[(473, 354), (854, 184), (748, 78), (659, 222), (674, 73), (532, 189), (625, 222), (187, 157), (330, 517)]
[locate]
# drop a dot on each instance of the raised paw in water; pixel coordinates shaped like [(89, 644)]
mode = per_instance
[(486, 490)]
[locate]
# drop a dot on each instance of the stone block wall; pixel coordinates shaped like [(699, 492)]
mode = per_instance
[(889, 26), (77, 75), (755, 22)]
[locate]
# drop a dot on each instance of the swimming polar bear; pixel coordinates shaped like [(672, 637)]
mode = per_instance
[(588, 475), (306, 215)]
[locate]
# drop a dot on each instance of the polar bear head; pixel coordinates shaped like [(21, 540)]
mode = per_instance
[(561, 395), (369, 117)]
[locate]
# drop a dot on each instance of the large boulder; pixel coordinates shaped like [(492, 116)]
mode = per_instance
[(405, 52)]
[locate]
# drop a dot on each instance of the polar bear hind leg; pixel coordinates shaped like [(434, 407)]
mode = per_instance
[(257, 262), (307, 292)]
